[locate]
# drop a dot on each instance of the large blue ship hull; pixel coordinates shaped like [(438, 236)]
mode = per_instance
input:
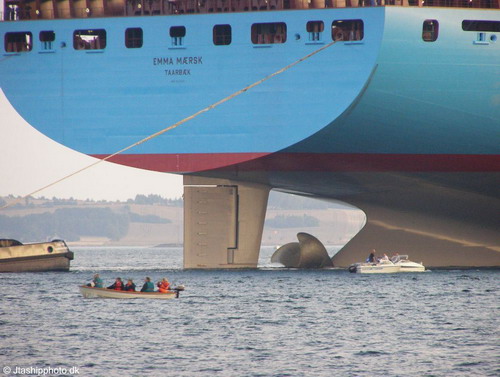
[(407, 130)]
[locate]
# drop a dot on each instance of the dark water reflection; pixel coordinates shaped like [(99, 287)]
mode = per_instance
[(266, 322)]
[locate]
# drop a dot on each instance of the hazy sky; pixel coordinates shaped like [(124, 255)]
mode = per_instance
[(30, 160)]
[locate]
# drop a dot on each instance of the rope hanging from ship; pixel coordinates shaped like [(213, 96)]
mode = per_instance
[(175, 125)]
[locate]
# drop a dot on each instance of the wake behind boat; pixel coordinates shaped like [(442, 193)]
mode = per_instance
[(93, 292), (398, 263)]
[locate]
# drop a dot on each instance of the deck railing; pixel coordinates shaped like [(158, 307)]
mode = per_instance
[(51, 9)]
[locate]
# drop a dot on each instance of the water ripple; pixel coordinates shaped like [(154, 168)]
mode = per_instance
[(269, 322)]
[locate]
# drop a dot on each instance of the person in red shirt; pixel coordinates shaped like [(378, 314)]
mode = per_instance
[(117, 285), (163, 286)]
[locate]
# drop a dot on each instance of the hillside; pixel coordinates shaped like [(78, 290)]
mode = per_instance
[(154, 220)]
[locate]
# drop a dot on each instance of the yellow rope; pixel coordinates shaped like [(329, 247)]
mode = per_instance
[(208, 108)]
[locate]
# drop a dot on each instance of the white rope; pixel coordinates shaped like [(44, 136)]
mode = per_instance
[(161, 132)]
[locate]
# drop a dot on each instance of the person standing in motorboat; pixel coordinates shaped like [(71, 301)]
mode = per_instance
[(371, 257), (148, 285)]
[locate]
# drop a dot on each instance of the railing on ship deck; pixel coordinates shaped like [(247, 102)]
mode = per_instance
[(50, 9)]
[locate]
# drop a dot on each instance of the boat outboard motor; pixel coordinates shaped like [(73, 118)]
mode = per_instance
[(178, 289)]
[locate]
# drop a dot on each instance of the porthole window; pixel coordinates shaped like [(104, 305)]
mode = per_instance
[(89, 39), (47, 39), (269, 33), (478, 25), (178, 33), (430, 30), (133, 37), (18, 41), (222, 35), (315, 30), (348, 30)]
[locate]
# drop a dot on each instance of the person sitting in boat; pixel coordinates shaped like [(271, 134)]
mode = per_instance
[(130, 286), (163, 286), (148, 285), (384, 259), (371, 257), (117, 285), (96, 282)]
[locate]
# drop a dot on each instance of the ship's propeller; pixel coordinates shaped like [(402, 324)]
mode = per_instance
[(309, 252)]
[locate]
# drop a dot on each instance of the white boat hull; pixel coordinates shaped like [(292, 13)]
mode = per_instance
[(377, 269), (92, 292), (400, 263), (411, 267)]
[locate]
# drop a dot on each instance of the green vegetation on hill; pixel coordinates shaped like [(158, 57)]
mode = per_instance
[(277, 200), (156, 199), (39, 219), (72, 223), (29, 202), (66, 223)]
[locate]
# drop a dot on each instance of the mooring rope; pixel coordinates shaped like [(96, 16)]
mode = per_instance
[(169, 128)]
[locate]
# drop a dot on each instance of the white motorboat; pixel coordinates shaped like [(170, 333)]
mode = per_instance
[(406, 265), (398, 263), (92, 292), (383, 267)]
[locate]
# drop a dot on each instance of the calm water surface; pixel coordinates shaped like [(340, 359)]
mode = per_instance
[(265, 322)]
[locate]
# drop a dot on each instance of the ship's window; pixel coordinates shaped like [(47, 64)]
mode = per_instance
[(12, 12), (475, 25), (267, 33), (94, 39), (315, 30), (18, 42), (133, 37), (430, 30), (348, 30), (177, 33), (47, 39), (222, 35)]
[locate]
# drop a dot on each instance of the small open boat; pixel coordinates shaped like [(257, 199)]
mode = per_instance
[(92, 292)]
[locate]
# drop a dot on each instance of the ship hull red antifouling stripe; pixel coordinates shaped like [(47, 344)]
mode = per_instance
[(327, 162)]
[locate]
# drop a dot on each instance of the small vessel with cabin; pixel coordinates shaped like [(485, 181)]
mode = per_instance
[(42, 256), (383, 267), (398, 263), (406, 265)]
